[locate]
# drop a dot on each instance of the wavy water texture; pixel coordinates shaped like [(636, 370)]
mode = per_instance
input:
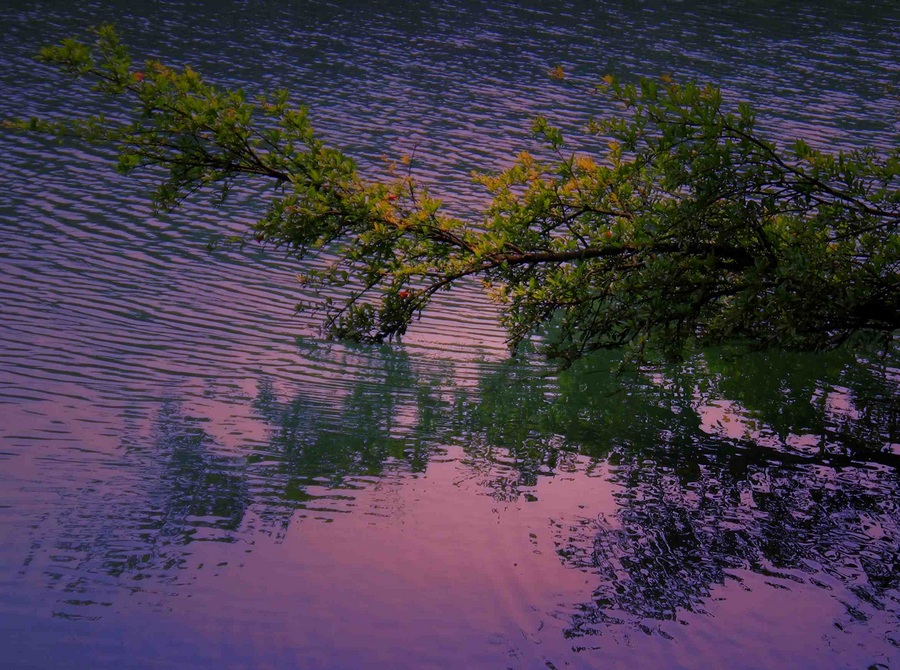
[(191, 476)]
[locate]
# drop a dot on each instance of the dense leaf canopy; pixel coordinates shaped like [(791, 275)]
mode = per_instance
[(687, 227)]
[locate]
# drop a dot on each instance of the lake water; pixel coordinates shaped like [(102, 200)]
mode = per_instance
[(190, 477)]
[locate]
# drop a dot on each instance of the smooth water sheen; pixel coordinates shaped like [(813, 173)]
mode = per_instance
[(190, 477)]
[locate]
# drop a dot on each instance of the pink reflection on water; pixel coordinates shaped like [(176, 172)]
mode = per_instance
[(726, 418), (731, 420), (426, 572)]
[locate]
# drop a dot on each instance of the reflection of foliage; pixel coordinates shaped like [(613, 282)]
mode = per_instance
[(676, 538), (324, 443), (186, 493), (697, 509), (198, 496), (792, 394), (694, 509)]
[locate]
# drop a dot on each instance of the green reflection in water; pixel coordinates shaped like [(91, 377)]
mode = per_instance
[(784, 467)]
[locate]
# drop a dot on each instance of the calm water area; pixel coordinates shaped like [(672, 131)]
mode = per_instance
[(191, 477)]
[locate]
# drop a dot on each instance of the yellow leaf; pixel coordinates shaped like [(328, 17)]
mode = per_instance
[(584, 163)]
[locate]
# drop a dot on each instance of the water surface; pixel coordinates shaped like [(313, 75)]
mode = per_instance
[(191, 477)]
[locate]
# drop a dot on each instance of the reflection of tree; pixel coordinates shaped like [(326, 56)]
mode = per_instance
[(695, 509), (534, 424), (698, 509), (853, 408), (197, 489), (140, 528), (189, 489), (323, 443), (677, 537)]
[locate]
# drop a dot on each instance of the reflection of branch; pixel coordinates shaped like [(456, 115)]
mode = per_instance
[(761, 455), (668, 550)]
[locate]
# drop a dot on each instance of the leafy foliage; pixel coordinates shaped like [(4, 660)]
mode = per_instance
[(688, 227)]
